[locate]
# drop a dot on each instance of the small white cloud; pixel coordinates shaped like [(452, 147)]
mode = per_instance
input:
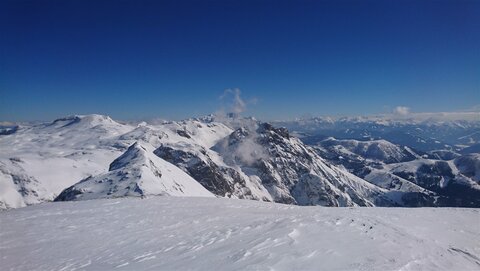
[(237, 105), (401, 110), (232, 102)]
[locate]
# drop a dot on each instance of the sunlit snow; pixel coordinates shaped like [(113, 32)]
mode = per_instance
[(174, 233)]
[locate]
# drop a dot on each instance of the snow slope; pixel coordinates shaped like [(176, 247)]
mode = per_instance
[(47, 158), (137, 172), (174, 233), (37, 162), (381, 150), (469, 165)]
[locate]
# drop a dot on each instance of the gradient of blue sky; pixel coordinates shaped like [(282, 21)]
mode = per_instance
[(173, 59)]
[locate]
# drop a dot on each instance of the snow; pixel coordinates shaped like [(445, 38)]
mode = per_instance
[(53, 156), (58, 154), (374, 149), (57, 172), (137, 172), (175, 233), (202, 134), (469, 165), (411, 118), (291, 172), (387, 179), (9, 193), (39, 161)]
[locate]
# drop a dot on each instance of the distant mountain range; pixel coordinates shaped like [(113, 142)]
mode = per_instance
[(416, 161)]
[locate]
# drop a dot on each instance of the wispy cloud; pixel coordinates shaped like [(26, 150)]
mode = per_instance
[(233, 96)]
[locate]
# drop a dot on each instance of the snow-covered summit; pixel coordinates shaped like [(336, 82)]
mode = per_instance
[(91, 120), (137, 172)]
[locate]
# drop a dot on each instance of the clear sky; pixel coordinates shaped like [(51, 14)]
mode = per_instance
[(174, 59)]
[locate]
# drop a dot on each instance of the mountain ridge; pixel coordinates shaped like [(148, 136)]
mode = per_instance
[(238, 157)]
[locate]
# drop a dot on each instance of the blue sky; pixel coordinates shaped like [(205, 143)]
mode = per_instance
[(174, 59)]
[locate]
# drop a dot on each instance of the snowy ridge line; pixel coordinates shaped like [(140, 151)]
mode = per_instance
[(93, 156)]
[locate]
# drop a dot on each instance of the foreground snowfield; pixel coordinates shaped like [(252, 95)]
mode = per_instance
[(172, 233)]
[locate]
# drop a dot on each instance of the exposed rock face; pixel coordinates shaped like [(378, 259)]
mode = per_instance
[(219, 179), (293, 173)]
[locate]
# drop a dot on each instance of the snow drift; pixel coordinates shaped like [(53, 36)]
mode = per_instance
[(173, 233)]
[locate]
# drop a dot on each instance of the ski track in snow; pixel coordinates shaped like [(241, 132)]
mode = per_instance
[(173, 233)]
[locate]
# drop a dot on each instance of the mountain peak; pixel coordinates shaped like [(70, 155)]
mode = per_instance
[(91, 120), (137, 172), (134, 154)]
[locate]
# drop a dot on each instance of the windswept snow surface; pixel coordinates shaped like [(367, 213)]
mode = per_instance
[(174, 233)]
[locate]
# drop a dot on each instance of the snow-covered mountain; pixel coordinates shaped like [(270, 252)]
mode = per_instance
[(420, 131), (452, 187), (137, 172), (379, 150), (423, 156), (40, 161), (93, 156), (469, 165), (429, 182), (291, 172)]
